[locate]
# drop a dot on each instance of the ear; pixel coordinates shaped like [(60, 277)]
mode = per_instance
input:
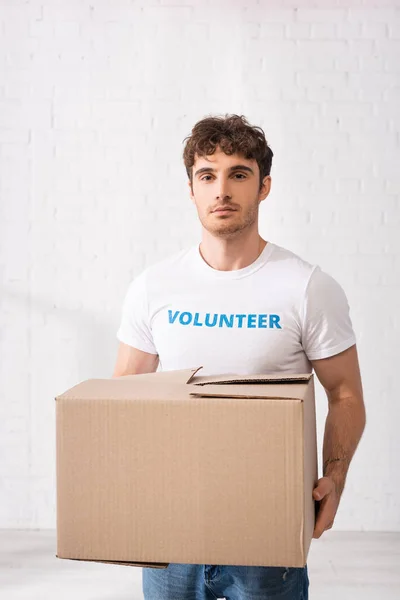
[(266, 188), (190, 192)]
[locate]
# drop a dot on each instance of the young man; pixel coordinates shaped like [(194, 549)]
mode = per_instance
[(239, 304)]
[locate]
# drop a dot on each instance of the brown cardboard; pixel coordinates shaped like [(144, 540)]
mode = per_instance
[(177, 467)]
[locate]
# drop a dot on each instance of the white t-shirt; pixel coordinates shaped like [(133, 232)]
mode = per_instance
[(276, 314)]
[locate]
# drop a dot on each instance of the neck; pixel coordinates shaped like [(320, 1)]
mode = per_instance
[(231, 254)]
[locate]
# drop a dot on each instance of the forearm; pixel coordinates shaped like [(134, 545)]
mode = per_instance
[(343, 429)]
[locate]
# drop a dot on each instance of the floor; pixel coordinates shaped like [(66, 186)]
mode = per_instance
[(342, 566)]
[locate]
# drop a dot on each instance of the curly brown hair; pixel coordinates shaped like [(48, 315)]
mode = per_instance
[(234, 135)]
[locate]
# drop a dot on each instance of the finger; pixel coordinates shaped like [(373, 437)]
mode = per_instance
[(319, 528), (318, 532), (323, 488), (325, 517)]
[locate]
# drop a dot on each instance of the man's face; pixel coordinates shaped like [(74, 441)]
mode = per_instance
[(226, 192)]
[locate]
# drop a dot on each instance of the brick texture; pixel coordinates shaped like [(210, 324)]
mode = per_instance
[(95, 101)]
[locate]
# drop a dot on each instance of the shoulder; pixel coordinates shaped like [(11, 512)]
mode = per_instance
[(158, 274), (160, 268), (169, 265), (308, 278), (291, 266), (289, 258)]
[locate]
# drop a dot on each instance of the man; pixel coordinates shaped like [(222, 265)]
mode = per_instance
[(239, 304)]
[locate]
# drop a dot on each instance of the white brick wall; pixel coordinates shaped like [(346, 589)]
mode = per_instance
[(95, 100)]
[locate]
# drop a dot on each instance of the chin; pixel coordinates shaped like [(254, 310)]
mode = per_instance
[(225, 231)]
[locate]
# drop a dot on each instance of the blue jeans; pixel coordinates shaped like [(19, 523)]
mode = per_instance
[(208, 582)]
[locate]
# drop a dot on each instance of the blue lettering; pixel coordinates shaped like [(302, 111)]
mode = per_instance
[(196, 321), (251, 321), (274, 321), (172, 318), (240, 320), (213, 324), (262, 321), (224, 318), (185, 318)]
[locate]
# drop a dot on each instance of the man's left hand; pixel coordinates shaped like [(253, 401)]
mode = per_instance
[(326, 493)]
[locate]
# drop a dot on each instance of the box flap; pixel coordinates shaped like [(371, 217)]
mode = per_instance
[(259, 378), (121, 389), (179, 376), (133, 387), (269, 386), (270, 392)]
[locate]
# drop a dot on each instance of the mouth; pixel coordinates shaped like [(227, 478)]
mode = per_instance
[(223, 210)]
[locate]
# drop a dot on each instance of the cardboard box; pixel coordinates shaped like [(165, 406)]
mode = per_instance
[(175, 467)]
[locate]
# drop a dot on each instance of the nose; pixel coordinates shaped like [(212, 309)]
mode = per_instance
[(223, 191)]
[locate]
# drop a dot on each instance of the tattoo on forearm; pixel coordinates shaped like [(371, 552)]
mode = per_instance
[(331, 460)]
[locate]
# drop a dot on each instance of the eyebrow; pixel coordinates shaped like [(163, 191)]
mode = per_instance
[(234, 168)]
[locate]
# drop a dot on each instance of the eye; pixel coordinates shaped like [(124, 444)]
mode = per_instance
[(235, 174)]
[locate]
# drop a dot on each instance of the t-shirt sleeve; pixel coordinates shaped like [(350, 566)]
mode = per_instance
[(134, 328), (326, 324)]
